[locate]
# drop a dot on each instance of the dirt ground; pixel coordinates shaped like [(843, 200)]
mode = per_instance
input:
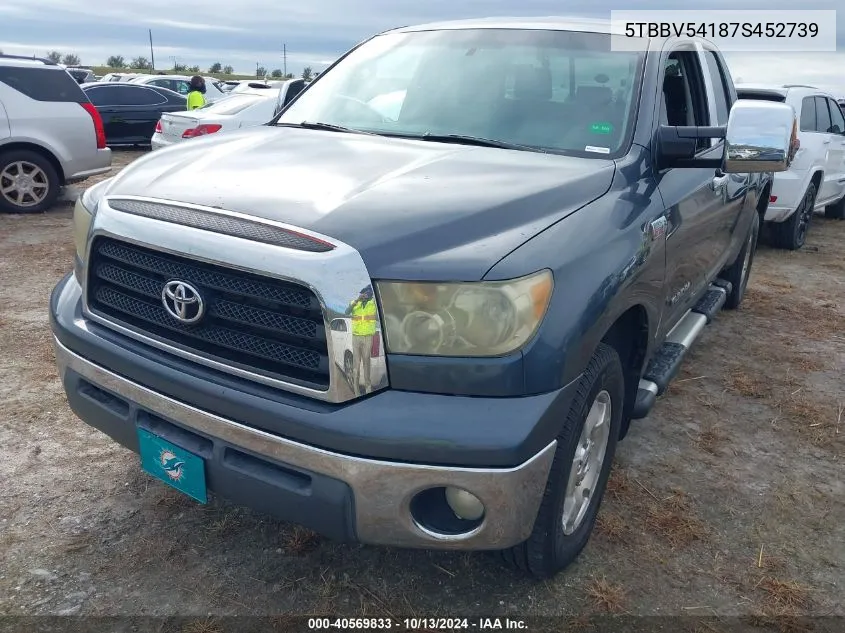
[(726, 501)]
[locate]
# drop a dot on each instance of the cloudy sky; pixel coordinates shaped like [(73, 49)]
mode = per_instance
[(245, 32)]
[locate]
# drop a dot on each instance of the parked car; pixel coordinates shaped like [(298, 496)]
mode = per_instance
[(130, 111), (82, 75), (50, 134), (816, 179), (546, 229), (232, 113), (116, 77), (181, 84), (288, 91)]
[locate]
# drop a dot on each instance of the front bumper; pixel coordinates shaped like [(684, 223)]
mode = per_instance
[(336, 492)]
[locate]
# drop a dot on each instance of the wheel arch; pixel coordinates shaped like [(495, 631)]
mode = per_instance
[(38, 149), (629, 335)]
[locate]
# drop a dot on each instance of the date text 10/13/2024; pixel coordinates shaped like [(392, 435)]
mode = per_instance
[(417, 624)]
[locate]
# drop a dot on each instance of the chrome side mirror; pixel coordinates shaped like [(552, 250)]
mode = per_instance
[(762, 136)]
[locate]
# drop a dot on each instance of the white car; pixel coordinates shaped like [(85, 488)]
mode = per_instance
[(231, 113), (816, 179), (182, 85), (341, 333), (120, 76)]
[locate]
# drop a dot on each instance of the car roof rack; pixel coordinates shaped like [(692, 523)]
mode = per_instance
[(799, 86), (46, 62)]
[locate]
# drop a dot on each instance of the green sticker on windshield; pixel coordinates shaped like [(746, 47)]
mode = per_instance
[(601, 128)]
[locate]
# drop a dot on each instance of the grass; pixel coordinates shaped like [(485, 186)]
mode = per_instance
[(300, 540), (606, 596)]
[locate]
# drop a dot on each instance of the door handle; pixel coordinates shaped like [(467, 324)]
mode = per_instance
[(827, 142)]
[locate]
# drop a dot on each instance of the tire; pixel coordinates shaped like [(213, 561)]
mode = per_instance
[(740, 270), (835, 211), (40, 176), (792, 234), (550, 549)]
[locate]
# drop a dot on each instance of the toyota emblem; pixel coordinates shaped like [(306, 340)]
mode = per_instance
[(182, 301)]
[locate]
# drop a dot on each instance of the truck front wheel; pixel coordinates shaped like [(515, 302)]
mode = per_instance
[(581, 466)]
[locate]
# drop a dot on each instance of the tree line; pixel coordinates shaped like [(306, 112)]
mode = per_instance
[(142, 63)]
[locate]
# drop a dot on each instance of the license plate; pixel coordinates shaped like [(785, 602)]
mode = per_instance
[(175, 466)]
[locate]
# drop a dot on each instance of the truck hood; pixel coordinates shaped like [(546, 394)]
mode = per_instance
[(413, 209)]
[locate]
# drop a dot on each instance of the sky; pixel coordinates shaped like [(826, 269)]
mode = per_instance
[(246, 33)]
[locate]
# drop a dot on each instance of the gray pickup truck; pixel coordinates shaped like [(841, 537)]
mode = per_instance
[(512, 232)]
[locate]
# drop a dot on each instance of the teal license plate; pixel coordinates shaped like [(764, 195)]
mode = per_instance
[(173, 465)]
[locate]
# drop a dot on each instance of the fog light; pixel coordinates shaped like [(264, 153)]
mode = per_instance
[(464, 504)]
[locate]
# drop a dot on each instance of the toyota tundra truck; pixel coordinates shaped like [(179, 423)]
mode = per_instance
[(530, 221)]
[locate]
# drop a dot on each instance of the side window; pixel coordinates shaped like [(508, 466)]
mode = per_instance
[(808, 114), (837, 118), (684, 98), (720, 90), (98, 96), (145, 96), (181, 86), (823, 122), (42, 84), (294, 89)]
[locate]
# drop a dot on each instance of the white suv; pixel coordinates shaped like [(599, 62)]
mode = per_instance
[(816, 179), (50, 134)]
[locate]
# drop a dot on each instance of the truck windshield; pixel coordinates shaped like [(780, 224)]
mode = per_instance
[(554, 91)]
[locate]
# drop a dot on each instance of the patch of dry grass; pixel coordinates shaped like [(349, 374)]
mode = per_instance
[(618, 484), (710, 440), (606, 596), (207, 625), (611, 527), (813, 417), (818, 319), (746, 385), (678, 528), (785, 595), (299, 540)]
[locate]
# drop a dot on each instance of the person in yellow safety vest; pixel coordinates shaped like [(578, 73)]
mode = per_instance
[(195, 95), (363, 313)]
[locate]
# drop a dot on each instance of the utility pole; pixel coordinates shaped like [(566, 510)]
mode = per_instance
[(285, 60), (152, 54)]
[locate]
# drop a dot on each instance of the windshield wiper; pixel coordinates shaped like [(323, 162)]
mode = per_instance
[(316, 125), (468, 140)]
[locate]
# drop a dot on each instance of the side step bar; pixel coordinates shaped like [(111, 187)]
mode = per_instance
[(666, 362)]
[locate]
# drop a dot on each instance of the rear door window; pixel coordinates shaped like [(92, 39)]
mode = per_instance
[(144, 96), (837, 118), (43, 83), (823, 122)]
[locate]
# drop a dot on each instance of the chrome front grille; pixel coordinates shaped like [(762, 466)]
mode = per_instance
[(259, 324)]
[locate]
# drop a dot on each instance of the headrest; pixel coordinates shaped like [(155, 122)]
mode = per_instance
[(532, 83), (594, 95)]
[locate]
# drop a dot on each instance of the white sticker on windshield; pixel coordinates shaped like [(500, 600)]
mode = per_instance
[(598, 150)]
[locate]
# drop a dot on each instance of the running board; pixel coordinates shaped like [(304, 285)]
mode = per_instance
[(666, 362)]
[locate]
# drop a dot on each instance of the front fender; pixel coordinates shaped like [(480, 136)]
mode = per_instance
[(606, 258)]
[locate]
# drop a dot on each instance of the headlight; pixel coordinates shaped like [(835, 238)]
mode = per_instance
[(83, 214), (489, 318)]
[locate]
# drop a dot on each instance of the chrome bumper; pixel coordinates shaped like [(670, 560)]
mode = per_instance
[(382, 490)]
